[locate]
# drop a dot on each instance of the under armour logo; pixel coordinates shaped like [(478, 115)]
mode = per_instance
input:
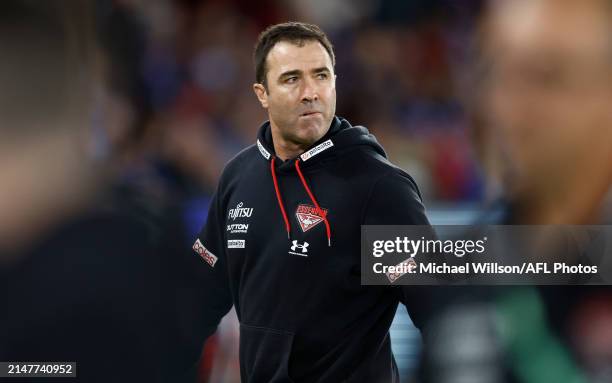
[(296, 245)]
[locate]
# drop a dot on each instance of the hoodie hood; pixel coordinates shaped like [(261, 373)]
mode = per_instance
[(340, 137)]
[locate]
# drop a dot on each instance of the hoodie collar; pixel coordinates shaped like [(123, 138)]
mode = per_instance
[(339, 136), (326, 143)]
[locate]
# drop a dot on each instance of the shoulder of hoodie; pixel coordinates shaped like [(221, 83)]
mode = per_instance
[(382, 171), (233, 167), (393, 175)]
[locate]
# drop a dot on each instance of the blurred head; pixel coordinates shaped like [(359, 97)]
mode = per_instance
[(296, 83), (547, 90), (46, 74)]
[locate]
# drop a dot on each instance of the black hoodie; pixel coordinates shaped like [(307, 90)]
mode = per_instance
[(282, 244)]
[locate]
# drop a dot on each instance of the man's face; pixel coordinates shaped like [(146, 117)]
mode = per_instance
[(301, 91), (548, 90)]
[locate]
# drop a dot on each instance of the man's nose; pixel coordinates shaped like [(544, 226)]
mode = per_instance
[(309, 91)]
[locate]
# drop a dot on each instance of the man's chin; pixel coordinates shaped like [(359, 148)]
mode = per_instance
[(312, 131)]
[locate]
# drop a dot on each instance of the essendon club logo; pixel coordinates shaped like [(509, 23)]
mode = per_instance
[(308, 216), (203, 252)]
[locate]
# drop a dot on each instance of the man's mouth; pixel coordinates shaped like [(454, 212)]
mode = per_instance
[(310, 113)]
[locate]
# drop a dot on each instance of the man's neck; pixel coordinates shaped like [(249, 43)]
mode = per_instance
[(42, 186), (285, 149)]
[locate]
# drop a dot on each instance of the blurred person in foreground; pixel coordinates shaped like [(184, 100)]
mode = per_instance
[(544, 104), (546, 94), (151, 152), (282, 240), (79, 277)]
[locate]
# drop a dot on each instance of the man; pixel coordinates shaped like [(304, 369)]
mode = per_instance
[(544, 101), (282, 241), (547, 98), (80, 277)]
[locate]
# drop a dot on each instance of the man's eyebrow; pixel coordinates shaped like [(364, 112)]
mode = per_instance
[(290, 73), (296, 72), (321, 69)]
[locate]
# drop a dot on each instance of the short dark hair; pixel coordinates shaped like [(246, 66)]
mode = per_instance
[(294, 32)]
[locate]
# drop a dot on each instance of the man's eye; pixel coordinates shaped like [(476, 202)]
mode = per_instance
[(322, 76), (291, 80)]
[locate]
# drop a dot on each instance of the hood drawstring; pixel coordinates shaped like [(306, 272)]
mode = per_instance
[(320, 211)]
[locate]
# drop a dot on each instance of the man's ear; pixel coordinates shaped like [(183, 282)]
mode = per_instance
[(261, 93)]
